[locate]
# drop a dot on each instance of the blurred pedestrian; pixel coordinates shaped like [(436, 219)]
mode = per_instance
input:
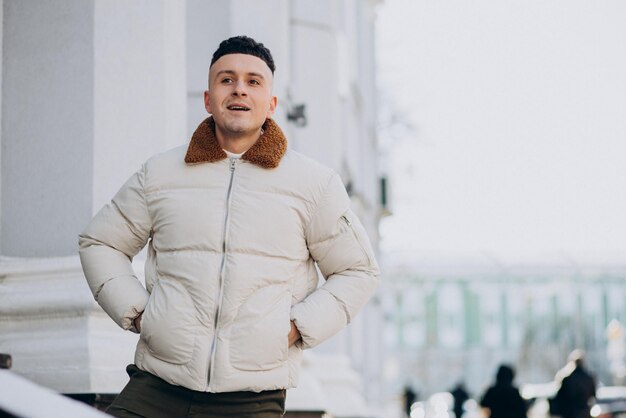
[(577, 390), (409, 397), (503, 400), (460, 395)]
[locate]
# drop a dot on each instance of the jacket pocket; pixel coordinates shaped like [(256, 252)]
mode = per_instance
[(348, 219), (259, 338), (168, 324)]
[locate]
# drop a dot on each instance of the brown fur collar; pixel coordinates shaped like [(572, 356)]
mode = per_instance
[(266, 152)]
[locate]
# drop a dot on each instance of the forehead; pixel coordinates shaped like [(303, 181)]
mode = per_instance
[(241, 64)]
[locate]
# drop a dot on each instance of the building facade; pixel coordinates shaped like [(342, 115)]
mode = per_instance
[(458, 322), (91, 89)]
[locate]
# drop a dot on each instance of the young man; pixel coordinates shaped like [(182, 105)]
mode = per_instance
[(235, 224)]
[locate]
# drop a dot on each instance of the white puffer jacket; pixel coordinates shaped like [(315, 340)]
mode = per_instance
[(232, 246)]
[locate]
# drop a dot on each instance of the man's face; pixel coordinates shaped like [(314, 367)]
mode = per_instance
[(240, 94)]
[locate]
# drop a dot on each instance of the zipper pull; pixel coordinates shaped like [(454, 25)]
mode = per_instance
[(346, 220), (233, 162)]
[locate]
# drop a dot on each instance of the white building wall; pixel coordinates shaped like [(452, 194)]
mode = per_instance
[(530, 319), (47, 122), (87, 98), (139, 87), (1, 67), (315, 80)]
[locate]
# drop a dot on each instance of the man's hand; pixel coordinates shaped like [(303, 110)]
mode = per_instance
[(137, 322), (294, 334)]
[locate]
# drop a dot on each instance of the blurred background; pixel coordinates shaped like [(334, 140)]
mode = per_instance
[(482, 144), (502, 129)]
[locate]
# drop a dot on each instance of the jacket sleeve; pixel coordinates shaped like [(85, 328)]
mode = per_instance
[(338, 243), (108, 244)]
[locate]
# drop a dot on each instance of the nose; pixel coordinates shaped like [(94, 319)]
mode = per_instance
[(240, 88)]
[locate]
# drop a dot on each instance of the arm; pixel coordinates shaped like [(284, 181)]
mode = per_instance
[(338, 243), (106, 247)]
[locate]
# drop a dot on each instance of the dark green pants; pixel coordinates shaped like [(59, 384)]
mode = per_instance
[(148, 396)]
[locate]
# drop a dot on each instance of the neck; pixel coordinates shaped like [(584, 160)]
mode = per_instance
[(236, 143)]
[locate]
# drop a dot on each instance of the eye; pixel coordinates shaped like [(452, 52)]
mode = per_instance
[(255, 82), (226, 80)]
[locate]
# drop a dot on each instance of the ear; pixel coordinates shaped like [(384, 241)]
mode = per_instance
[(272, 108), (207, 101)]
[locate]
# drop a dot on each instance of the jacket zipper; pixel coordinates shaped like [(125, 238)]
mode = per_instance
[(220, 295), (356, 237)]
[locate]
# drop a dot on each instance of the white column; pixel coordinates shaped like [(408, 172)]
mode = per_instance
[(139, 85), (91, 88), (47, 125), (316, 79)]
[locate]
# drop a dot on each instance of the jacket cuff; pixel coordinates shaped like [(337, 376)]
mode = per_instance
[(318, 317), (123, 298)]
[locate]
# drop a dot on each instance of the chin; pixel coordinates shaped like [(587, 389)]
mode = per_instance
[(239, 129), (242, 127)]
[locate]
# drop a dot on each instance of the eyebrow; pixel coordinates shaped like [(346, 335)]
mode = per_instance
[(253, 74)]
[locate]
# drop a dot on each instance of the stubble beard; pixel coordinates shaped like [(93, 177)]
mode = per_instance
[(236, 128)]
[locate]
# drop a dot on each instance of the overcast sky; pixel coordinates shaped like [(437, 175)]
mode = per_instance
[(519, 113)]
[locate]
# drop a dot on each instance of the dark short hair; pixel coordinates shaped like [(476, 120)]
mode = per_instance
[(244, 45), (505, 375)]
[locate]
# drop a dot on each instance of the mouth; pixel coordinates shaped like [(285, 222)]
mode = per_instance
[(238, 108)]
